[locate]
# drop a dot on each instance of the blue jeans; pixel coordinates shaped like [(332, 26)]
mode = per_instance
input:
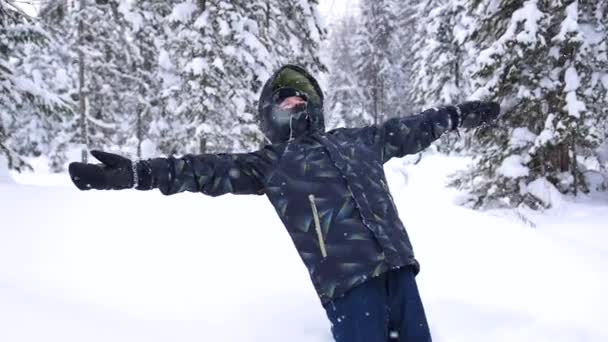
[(385, 308)]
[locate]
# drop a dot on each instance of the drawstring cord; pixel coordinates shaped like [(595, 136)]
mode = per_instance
[(315, 215)]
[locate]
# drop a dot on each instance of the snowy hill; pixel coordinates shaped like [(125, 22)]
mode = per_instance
[(138, 266)]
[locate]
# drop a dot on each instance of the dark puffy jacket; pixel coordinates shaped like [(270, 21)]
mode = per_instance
[(328, 188)]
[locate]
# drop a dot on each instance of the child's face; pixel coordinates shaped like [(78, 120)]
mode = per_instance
[(291, 102), (288, 110), (290, 105)]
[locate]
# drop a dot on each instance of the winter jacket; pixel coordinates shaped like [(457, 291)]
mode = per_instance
[(328, 188)]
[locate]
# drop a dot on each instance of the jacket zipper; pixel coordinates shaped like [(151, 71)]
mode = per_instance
[(315, 215)]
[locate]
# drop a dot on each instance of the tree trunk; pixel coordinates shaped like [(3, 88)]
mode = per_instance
[(564, 157), (140, 130), (574, 166), (203, 145)]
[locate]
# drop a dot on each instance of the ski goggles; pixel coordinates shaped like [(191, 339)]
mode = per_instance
[(293, 79), (281, 94)]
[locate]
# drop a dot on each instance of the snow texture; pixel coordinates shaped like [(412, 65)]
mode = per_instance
[(183, 12), (197, 66), (574, 106), (570, 24), (521, 137), (186, 268), (512, 167), (545, 192), (527, 17), (149, 149)]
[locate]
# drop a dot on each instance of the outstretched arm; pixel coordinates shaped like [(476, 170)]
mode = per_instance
[(411, 134), (211, 174)]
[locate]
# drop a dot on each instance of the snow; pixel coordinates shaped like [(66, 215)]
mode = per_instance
[(333, 10), (149, 149), (5, 177), (572, 80), (36, 88), (523, 29), (182, 12), (202, 20), (197, 65), (164, 60), (570, 23), (100, 123), (545, 192), (138, 266), (512, 167), (574, 106), (225, 29), (593, 34), (603, 152), (218, 63), (521, 137), (530, 15)]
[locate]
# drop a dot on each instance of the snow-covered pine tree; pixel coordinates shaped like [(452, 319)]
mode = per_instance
[(345, 98), (48, 133), (198, 87), (532, 62), (184, 75), (29, 106), (591, 57), (215, 59), (295, 32), (102, 62), (582, 63), (375, 66), (114, 76), (440, 57), (440, 53), (408, 34), (146, 33)]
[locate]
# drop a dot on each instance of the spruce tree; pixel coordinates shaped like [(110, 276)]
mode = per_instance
[(440, 54), (534, 63), (410, 21), (183, 76), (346, 98), (29, 106), (374, 62), (102, 59), (144, 26), (217, 56)]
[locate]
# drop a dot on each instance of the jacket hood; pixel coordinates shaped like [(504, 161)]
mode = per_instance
[(308, 121)]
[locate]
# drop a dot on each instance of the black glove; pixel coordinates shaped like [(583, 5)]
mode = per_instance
[(115, 173), (476, 113)]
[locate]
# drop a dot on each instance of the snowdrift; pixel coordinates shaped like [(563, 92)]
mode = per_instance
[(138, 266)]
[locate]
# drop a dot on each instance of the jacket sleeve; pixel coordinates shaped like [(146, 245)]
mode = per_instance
[(211, 174), (410, 134)]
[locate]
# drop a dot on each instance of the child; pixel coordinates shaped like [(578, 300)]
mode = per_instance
[(330, 191)]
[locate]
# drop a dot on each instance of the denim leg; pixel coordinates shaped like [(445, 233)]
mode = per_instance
[(407, 318), (361, 315)]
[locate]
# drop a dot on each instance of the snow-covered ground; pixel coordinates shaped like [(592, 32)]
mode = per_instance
[(138, 266)]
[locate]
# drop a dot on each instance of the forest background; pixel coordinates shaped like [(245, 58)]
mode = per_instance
[(146, 78)]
